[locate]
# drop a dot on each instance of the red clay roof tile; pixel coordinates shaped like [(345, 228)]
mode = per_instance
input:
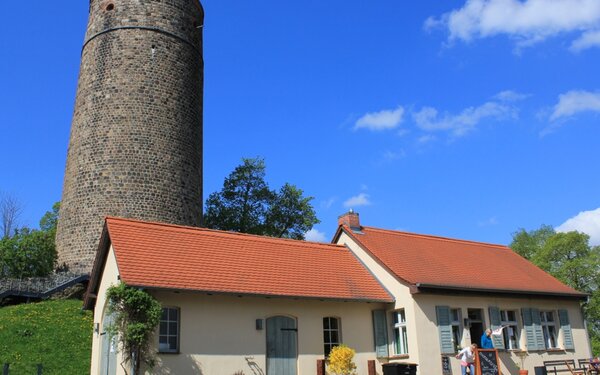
[(452, 263), (184, 258)]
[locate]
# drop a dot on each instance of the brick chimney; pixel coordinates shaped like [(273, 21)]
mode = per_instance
[(350, 219)]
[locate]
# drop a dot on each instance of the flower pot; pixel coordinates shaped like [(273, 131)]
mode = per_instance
[(523, 372)]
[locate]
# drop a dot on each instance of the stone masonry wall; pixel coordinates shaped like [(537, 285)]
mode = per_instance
[(135, 149)]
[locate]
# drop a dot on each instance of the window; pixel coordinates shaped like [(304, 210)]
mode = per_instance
[(549, 329), (331, 334), (400, 336), (168, 336), (508, 319), (455, 318)]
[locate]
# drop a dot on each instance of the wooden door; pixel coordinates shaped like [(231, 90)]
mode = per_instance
[(282, 346)]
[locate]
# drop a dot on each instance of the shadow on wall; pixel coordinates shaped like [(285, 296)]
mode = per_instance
[(254, 367), (507, 361), (186, 364)]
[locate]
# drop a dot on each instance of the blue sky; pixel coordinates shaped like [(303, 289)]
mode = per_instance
[(462, 119)]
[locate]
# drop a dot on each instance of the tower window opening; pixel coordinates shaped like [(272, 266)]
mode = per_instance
[(110, 7)]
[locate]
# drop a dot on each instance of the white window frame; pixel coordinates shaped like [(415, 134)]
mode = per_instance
[(511, 329), (400, 332), (169, 334), (548, 327), (457, 329), (328, 342)]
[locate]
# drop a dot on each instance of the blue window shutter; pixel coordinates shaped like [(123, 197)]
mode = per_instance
[(380, 331), (529, 329), (495, 323), (565, 326), (445, 329), (537, 329)]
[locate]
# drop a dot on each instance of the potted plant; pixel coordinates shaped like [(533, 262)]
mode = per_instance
[(522, 355)]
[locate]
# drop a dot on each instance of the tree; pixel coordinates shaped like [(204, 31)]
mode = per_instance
[(570, 258), (30, 252), (246, 204), (10, 210), (49, 221)]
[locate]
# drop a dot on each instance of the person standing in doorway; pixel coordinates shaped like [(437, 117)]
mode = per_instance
[(486, 340), (467, 359)]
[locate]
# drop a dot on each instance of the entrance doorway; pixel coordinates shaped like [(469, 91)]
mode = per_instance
[(476, 326), (108, 356), (282, 346)]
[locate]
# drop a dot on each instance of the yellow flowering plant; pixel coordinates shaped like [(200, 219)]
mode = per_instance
[(341, 361)]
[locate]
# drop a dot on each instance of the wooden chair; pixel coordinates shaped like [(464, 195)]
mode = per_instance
[(575, 371)]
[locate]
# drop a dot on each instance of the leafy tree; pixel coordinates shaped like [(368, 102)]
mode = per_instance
[(30, 252), (570, 258), (246, 204), (49, 221)]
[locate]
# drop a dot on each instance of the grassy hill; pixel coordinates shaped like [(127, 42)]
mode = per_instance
[(56, 334)]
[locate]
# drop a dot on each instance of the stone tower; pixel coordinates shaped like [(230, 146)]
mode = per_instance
[(136, 139)]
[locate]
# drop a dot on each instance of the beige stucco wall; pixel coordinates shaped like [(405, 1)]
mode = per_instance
[(423, 334), (218, 333), (219, 336), (110, 277)]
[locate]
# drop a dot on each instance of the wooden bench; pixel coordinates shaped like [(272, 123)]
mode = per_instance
[(564, 366)]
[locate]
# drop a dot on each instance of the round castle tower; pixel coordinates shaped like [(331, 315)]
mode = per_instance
[(135, 149)]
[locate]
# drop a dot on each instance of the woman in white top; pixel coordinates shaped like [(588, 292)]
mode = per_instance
[(467, 359)]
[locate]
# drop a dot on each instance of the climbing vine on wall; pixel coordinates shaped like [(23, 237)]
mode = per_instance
[(136, 315)]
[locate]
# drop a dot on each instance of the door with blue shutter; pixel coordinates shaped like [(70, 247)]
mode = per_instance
[(108, 354), (282, 346)]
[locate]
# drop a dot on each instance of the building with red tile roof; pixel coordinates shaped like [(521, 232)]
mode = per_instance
[(448, 292), (218, 286), (430, 262)]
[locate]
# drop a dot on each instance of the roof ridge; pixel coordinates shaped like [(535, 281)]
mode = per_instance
[(431, 236), (286, 241)]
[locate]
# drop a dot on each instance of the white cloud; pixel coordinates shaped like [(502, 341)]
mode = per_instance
[(393, 155), (488, 222), (510, 96), (587, 222), (382, 120), (587, 40), (428, 118), (361, 199), (528, 22), (328, 203), (573, 102), (315, 236)]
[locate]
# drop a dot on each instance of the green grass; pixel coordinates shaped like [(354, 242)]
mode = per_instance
[(56, 334)]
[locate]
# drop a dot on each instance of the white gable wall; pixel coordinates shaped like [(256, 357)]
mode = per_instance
[(110, 277)]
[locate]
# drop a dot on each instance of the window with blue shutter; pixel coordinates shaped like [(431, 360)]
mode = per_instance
[(495, 323), (565, 326), (445, 329), (533, 329), (380, 332), (537, 329)]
